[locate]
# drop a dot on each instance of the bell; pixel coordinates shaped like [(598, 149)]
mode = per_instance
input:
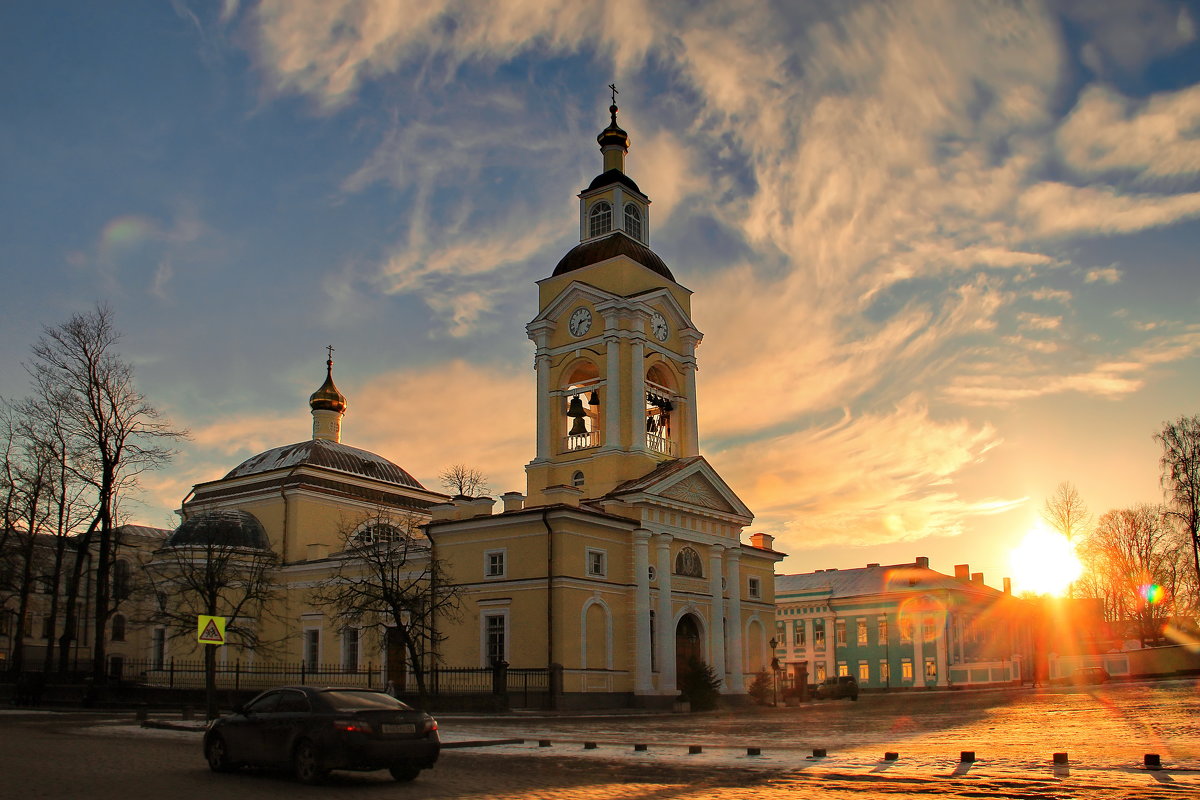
[(650, 426), (575, 408), (667, 405), (578, 427), (594, 400)]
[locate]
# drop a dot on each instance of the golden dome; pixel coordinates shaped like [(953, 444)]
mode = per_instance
[(328, 398)]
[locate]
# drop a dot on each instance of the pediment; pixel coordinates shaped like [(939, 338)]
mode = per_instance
[(568, 298), (689, 482), (698, 491)]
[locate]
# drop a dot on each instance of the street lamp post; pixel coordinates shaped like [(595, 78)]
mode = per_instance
[(774, 672)]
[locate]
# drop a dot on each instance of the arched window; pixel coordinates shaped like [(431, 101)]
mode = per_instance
[(659, 405), (118, 628), (633, 221), (600, 220), (687, 563), (120, 581), (577, 479), (581, 409)]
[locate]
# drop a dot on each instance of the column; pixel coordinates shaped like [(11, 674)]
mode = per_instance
[(691, 434), (643, 681), (665, 617), (716, 625), (544, 432), (734, 665), (612, 394), (918, 650), (943, 660), (830, 646), (637, 396)]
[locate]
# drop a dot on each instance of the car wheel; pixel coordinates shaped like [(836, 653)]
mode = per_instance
[(306, 763), (405, 772), (217, 753)]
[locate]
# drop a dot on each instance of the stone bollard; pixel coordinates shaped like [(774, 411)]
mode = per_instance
[(141, 712), (890, 756), (544, 743), (695, 749), (754, 751), (589, 745), (188, 713), (819, 752), (1060, 758), (967, 757), (1152, 761), (640, 748)]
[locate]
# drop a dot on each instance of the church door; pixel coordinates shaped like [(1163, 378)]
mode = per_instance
[(688, 644), (397, 660)]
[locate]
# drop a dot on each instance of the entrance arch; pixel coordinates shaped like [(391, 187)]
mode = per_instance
[(689, 643)]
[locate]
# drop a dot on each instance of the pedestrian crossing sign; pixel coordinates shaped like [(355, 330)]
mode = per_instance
[(210, 630)]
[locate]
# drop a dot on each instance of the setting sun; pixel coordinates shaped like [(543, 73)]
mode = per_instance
[(1044, 562)]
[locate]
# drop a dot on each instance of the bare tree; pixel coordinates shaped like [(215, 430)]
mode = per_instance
[(1180, 464), (1134, 564), (388, 580), (467, 481), (120, 434), (206, 569), (1066, 513)]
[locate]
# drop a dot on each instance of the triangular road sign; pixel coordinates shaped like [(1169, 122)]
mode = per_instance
[(210, 630)]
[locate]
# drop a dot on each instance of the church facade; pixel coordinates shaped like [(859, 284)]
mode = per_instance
[(623, 559)]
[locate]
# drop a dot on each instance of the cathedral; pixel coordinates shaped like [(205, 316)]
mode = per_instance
[(624, 557)]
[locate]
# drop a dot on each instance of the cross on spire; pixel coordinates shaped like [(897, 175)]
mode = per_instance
[(329, 352), (613, 86)]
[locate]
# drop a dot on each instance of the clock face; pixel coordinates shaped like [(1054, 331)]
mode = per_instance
[(580, 323), (658, 325)]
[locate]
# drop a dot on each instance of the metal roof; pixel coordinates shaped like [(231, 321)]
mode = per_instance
[(327, 454)]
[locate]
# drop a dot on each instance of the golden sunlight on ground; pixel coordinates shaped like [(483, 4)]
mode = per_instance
[(1044, 562)]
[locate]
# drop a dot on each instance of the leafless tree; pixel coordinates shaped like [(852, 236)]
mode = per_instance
[(119, 433), (1133, 562), (215, 575), (1066, 513), (388, 580), (1180, 464), (467, 481)]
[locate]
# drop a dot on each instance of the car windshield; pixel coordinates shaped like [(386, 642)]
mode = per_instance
[(352, 700)]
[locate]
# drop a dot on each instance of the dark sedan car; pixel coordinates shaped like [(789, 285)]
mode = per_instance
[(318, 730), (836, 687)]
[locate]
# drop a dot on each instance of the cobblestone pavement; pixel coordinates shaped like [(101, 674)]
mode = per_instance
[(1105, 731)]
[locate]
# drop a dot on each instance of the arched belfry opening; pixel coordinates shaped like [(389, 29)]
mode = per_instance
[(660, 406), (581, 392)]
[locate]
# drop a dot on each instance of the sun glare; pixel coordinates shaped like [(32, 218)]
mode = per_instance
[(1044, 562)]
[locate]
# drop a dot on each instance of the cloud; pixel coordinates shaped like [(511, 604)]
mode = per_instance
[(1154, 138), (1103, 275), (1038, 322), (1127, 36), (1053, 209)]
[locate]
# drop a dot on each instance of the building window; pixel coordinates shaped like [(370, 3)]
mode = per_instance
[(820, 676), (47, 627), (120, 583), (350, 640), (577, 479), (860, 631), (930, 669), (653, 643), (493, 564), (600, 220), (818, 632), (883, 630), (755, 587), (928, 629), (688, 564), (839, 633), (495, 628), (118, 628), (378, 533), (885, 671), (633, 221), (864, 672), (906, 630), (158, 651), (843, 669), (312, 648), (652, 572), (798, 633), (597, 563), (906, 672)]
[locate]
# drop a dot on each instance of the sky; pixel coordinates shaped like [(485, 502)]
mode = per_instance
[(944, 254)]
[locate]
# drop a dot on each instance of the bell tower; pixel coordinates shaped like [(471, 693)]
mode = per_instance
[(615, 347)]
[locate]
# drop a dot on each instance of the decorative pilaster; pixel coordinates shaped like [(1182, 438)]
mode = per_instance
[(665, 616), (943, 661), (612, 394), (735, 670), (643, 680), (637, 396), (918, 636), (544, 416), (716, 642)]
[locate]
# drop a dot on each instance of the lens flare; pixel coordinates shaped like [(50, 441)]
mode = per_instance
[(1154, 594)]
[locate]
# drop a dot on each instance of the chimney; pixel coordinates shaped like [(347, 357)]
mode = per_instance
[(763, 541), (513, 501), (1008, 585), (872, 565), (922, 562), (977, 577), (443, 512), (474, 506), (962, 572)]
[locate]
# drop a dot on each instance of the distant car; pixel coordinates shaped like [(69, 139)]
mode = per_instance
[(837, 687), (317, 730), (1085, 676)]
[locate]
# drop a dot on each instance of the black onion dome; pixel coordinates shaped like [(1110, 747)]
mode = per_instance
[(615, 244), (225, 527), (610, 177), (330, 455)]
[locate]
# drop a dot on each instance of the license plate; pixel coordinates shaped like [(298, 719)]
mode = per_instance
[(391, 727)]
